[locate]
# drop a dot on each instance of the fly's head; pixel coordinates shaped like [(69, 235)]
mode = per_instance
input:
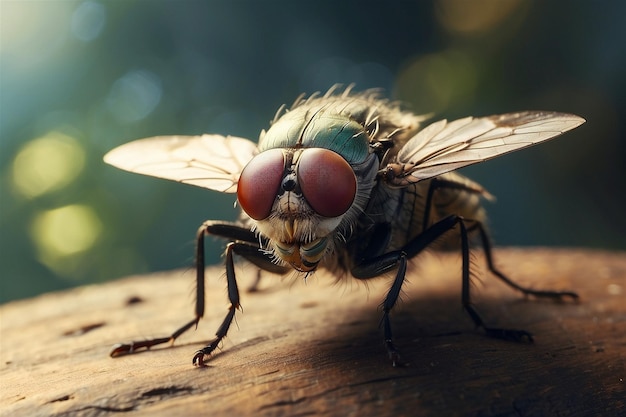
[(301, 199)]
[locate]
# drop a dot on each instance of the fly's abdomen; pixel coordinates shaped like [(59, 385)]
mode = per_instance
[(427, 202)]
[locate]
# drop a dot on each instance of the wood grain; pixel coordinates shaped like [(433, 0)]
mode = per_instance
[(314, 347)]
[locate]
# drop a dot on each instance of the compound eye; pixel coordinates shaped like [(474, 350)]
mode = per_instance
[(327, 181), (259, 182)]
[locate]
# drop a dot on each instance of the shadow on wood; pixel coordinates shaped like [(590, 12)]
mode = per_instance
[(316, 349)]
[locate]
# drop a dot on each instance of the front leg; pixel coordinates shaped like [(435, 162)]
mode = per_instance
[(233, 297), (246, 244)]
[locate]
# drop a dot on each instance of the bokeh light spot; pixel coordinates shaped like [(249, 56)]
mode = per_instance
[(88, 20), (32, 32), (474, 17), (46, 164), (134, 96), (432, 83), (65, 231)]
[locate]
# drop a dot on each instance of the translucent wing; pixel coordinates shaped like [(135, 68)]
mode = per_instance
[(208, 161), (442, 147)]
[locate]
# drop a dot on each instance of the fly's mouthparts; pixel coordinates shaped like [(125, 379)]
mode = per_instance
[(290, 227)]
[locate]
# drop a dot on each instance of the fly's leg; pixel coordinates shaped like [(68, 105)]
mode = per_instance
[(127, 348), (370, 267), (388, 304), (556, 295), (233, 297), (250, 250), (246, 244), (500, 333), (120, 349), (473, 225), (439, 183)]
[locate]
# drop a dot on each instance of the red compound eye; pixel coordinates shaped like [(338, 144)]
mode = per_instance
[(259, 182), (327, 181)]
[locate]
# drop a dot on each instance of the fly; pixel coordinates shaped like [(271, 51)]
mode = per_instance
[(348, 182)]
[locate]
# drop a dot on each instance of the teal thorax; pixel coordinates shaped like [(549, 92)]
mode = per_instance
[(304, 127)]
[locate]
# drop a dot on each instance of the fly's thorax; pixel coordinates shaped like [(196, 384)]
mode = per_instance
[(318, 127)]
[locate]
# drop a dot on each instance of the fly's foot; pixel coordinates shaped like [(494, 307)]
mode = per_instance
[(121, 349), (394, 355), (198, 358), (529, 292), (556, 295), (509, 334)]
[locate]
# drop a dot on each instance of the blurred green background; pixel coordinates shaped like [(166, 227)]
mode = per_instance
[(78, 78)]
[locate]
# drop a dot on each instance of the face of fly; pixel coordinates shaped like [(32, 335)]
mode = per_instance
[(302, 199)]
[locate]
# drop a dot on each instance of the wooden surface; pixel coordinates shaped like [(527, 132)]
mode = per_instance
[(314, 348)]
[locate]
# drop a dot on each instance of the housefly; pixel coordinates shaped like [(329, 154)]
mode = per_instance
[(348, 182)]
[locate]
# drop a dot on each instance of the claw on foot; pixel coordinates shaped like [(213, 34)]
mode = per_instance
[(198, 359), (120, 349), (394, 355)]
